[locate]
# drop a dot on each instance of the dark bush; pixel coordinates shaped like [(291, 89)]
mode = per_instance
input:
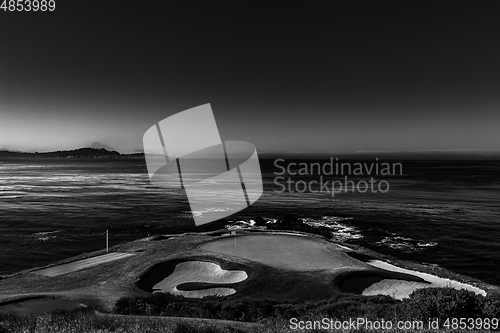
[(250, 309), (184, 327), (492, 308), (423, 304), (442, 303)]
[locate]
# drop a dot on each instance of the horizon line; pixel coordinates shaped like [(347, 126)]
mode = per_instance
[(456, 152)]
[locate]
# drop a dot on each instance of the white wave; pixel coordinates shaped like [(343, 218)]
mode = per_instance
[(340, 231), (209, 210), (404, 243)]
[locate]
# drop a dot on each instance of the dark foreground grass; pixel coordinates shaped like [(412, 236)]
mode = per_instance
[(93, 323), (254, 310), (273, 316), (426, 303), (89, 322), (434, 303)]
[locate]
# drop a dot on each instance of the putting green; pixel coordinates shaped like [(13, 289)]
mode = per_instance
[(285, 252)]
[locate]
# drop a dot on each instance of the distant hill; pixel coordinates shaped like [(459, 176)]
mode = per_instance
[(75, 153), (99, 145)]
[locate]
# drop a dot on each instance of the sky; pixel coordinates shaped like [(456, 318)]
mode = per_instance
[(351, 77)]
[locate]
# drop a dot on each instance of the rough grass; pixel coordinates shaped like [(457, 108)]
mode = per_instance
[(92, 323)]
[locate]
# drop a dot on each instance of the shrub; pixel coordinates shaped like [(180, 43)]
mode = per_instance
[(184, 327), (492, 308), (442, 303)]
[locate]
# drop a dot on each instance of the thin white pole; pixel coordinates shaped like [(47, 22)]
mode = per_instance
[(107, 241)]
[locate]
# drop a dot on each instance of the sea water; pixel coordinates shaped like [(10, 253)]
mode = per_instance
[(439, 212)]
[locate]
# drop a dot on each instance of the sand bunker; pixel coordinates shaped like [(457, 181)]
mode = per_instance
[(197, 279), (284, 251), (400, 289), (397, 289)]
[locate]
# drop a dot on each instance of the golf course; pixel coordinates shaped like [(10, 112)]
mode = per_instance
[(266, 265), (312, 268)]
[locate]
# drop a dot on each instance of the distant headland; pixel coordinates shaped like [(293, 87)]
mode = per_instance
[(75, 153)]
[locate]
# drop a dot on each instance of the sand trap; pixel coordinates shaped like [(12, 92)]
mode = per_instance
[(397, 289), (81, 264), (202, 276), (284, 251), (39, 305), (400, 289)]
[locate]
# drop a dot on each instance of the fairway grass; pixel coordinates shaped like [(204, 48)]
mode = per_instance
[(81, 264)]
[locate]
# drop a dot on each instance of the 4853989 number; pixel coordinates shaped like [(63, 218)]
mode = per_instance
[(28, 5), (472, 324)]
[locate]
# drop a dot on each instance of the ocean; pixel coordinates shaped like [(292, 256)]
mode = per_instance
[(444, 213)]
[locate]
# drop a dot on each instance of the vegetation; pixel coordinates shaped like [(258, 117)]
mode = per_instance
[(89, 322), (443, 303), (423, 304), (274, 316), (250, 309)]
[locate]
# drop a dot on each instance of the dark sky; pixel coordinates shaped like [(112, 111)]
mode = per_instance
[(355, 76)]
